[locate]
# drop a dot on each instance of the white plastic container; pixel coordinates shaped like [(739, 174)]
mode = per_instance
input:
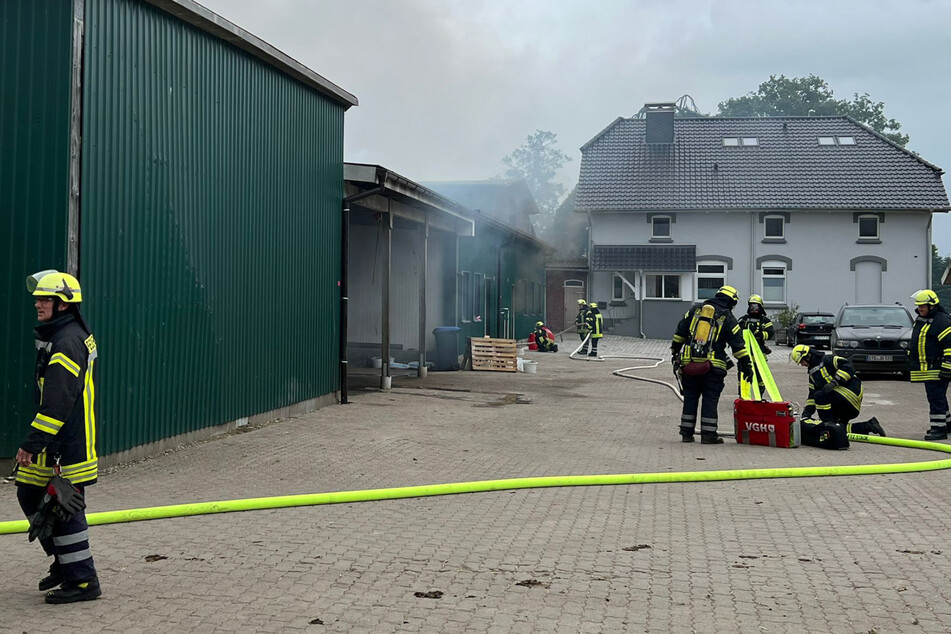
[(376, 362), (531, 367)]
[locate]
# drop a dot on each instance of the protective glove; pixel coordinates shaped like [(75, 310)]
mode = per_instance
[(745, 367), (67, 496), (828, 387), (944, 374), (41, 523), (675, 359)]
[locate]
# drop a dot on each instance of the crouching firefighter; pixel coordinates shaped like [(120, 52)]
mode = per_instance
[(581, 323), (698, 353), (544, 338), (929, 359), (836, 394), (58, 459)]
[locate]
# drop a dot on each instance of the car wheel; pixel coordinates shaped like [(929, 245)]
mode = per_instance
[(795, 340)]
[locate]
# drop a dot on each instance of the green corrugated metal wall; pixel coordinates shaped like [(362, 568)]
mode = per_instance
[(35, 60), (210, 228)]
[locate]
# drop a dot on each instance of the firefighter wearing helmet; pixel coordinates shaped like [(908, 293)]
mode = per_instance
[(835, 393), (698, 354), (581, 324), (594, 321), (758, 322), (929, 359), (59, 453), (544, 338)]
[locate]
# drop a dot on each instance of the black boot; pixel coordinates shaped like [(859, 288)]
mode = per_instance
[(937, 433), (53, 579), (874, 427), (710, 439), (686, 437), (71, 592)]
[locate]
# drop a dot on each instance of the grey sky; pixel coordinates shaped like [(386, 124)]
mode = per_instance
[(447, 88)]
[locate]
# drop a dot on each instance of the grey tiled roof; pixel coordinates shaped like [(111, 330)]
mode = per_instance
[(566, 262), (645, 257), (787, 170)]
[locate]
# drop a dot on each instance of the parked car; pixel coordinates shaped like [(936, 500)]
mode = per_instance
[(874, 337), (814, 329)]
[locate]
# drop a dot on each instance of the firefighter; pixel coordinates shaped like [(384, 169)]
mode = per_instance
[(594, 321), (929, 358), (581, 323), (62, 436), (835, 393), (698, 353), (544, 338), (758, 323)]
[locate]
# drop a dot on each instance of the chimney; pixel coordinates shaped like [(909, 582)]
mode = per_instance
[(660, 122)]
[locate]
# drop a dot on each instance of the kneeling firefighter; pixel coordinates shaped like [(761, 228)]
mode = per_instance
[(698, 353), (836, 394), (581, 323), (544, 338)]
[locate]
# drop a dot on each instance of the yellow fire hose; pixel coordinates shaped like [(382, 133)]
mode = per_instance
[(367, 495)]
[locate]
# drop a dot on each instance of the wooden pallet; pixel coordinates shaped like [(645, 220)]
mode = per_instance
[(495, 355)]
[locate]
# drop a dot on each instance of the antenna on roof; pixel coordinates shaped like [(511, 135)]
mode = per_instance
[(685, 108)]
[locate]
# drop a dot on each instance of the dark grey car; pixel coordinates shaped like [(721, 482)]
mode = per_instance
[(874, 337), (814, 329)]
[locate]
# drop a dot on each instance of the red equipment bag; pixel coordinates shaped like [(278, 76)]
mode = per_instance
[(531, 342), (772, 424)]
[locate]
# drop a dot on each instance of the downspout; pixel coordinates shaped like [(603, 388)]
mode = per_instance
[(753, 252), (344, 272), (930, 250), (640, 302)]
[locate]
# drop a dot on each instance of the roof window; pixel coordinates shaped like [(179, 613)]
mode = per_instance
[(733, 141), (837, 140)]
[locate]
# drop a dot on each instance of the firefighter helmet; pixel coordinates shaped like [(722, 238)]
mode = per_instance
[(582, 302), (539, 324), (52, 283), (730, 293), (755, 299), (593, 304), (925, 297), (800, 352)]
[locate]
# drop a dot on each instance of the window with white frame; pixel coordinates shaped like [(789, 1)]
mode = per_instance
[(662, 286), (868, 227), (710, 277), (617, 289), (774, 283), (660, 227), (774, 227)]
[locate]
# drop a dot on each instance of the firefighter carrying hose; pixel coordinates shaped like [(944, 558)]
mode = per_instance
[(758, 323), (698, 353), (581, 323), (594, 322), (929, 358), (544, 338), (836, 394)]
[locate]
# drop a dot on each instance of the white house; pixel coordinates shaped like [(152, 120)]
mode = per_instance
[(813, 212)]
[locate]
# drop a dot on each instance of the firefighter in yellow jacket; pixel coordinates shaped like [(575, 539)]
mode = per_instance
[(595, 324), (929, 359), (698, 353), (62, 436), (581, 323)]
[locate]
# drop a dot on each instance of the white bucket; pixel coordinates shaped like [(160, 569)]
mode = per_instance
[(531, 367), (376, 362)]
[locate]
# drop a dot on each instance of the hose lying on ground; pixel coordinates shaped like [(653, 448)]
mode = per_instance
[(343, 497)]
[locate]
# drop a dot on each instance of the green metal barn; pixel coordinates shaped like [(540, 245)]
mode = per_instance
[(191, 175)]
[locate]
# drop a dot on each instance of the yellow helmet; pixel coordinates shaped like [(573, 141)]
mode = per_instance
[(593, 304), (925, 296), (800, 352), (52, 283), (539, 323), (582, 302), (755, 299)]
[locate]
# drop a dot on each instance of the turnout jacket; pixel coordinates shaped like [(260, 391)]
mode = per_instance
[(542, 339), (581, 321), (725, 330), (828, 368), (65, 399), (760, 325), (930, 347), (594, 321)]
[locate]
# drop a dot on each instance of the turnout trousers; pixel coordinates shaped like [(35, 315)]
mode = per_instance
[(707, 387), (69, 544), (937, 393)]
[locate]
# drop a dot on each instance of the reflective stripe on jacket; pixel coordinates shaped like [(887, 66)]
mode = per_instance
[(930, 347)]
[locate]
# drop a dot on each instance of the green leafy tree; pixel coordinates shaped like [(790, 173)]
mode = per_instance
[(537, 161), (811, 96), (938, 265)]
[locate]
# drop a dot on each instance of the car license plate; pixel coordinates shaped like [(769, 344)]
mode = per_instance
[(879, 357), (822, 337)]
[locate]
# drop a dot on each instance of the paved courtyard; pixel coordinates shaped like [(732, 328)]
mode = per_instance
[(838, 554)]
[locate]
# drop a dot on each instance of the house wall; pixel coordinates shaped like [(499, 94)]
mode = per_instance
[(820, 250)]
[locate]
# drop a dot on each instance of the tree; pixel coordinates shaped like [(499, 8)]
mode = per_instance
[(811, 96), (568, 230), (537, 161)]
